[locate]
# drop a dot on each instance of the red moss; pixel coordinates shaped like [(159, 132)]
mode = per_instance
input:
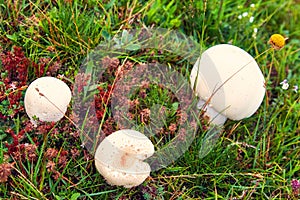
[(5, 171), (51, 153), (25, 152), (102, 100), (17, 137), (109, 126), (16, 64), (46, 127), (15, 77), (63, 158), (81, 81)]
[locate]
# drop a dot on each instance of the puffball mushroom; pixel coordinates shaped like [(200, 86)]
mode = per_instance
[(119, 158), (230, 80), (47, 99)]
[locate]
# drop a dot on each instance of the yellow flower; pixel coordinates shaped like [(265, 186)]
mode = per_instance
[(277, 41)]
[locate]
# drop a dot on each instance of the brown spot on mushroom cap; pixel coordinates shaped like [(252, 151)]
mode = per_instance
[(119, 158)]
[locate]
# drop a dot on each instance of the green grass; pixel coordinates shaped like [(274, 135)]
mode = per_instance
[(255, 158)]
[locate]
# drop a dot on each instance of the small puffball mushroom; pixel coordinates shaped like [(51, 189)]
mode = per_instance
[(229, 79), (47, 99), (119, 158)]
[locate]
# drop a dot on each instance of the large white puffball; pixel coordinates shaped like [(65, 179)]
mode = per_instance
[(47, 99), (243, 82)]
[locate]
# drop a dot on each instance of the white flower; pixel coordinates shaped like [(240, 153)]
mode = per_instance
[(254, 34), (285, 84), (251, 19), (245, 14), (295, 88), (13, 86)]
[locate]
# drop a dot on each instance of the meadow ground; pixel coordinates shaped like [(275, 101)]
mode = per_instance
[(254, 158)]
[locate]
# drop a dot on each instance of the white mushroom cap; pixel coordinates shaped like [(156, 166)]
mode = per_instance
[(240, 96), (40, 96), (119, 158)]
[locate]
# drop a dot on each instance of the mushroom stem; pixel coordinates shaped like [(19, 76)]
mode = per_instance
[(214, 117)]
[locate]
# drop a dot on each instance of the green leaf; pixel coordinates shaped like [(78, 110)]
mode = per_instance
[(133, 47), (13, 37), (110, 4), (105, 35), (2, 136), (58, 197), (126, 37), (75, 196), (175, 106)]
